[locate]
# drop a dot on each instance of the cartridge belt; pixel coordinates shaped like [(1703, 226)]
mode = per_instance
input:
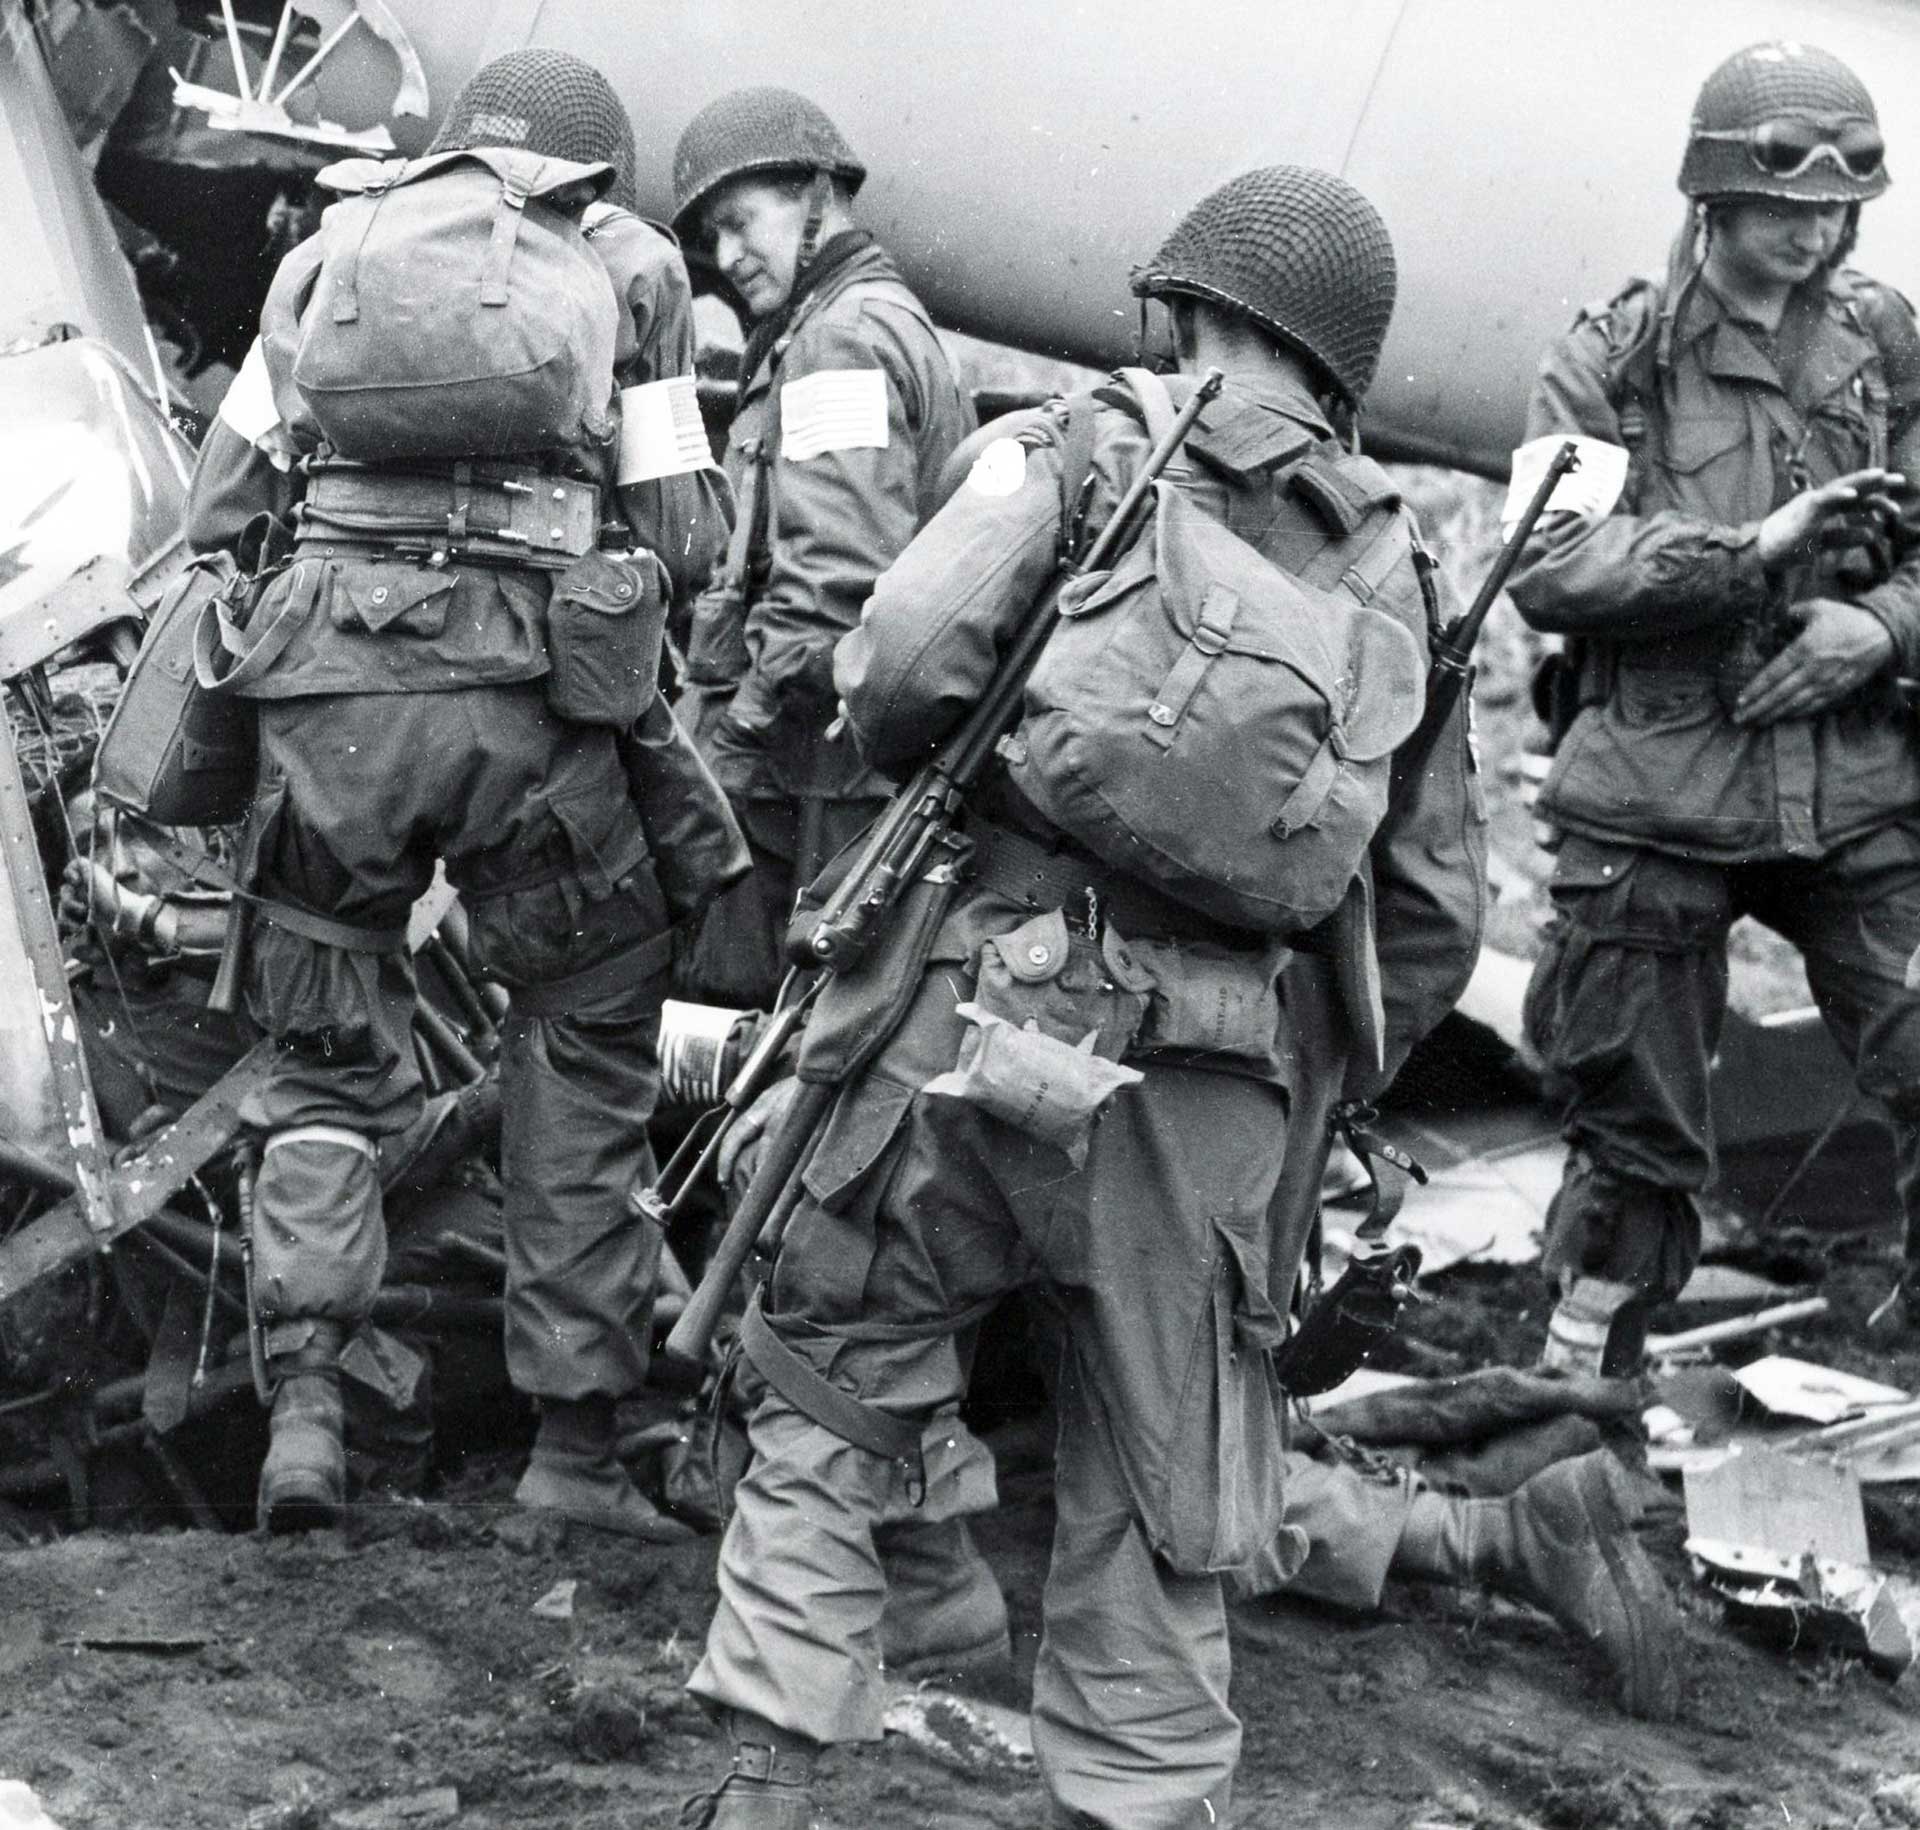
[(1040, 875), (500, 514)]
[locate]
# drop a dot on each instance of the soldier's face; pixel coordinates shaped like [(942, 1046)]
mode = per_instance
[(756, 227), (1768, 244)]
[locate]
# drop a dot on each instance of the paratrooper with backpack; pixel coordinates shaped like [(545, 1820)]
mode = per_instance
[(465, 464), (1090, 1086)]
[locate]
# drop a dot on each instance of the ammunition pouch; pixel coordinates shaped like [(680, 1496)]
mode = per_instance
[(473, 514), (605, 623)]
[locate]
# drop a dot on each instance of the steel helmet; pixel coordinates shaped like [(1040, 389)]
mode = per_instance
[(755, 130), (550, 102), (1784, 120), (1298, 251)]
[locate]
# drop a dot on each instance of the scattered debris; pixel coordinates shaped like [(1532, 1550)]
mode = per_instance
[(1739, 1327), (1820, 1394), (960, 1731), (557, 1602), (1812, 1602), (1778, 1504)]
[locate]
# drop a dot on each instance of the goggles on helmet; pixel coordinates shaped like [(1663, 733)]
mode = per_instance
[(1792, 144)]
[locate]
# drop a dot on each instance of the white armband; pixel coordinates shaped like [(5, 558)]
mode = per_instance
[(248, 404), (833, 410), (661, 432), (1589, 490)]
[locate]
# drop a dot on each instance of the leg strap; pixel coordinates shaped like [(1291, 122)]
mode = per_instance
[(878, 1432)]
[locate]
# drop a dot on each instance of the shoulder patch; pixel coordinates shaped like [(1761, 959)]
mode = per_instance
[(1000, 469), (833, 410)]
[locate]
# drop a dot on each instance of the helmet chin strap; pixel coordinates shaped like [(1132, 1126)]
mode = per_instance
[(819, 195)]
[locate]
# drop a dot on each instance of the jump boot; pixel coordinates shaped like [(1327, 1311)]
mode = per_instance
[(945, 1616), (303, 1483), (768, 1787), (1563, 1542), (575, 1472)]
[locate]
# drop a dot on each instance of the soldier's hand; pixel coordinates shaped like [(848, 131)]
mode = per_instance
[(1790, 532), (740, 1154), (1840, 648)]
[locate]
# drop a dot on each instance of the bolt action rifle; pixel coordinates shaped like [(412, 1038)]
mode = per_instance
[(1348, 1321), (917, 823)]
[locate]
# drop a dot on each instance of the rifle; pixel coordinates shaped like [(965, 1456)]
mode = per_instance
[(917, 820), (1348, 1321), (1450, 666)]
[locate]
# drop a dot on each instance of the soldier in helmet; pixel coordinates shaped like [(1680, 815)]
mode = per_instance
[(924, 1200), (405, 718), (1740, 598), (848, 408)]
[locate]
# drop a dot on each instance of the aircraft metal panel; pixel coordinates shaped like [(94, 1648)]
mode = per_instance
[(63, 263)]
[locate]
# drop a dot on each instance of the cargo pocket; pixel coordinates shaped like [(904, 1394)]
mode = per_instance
[(563, 914), (1048, 1024), (1210, 1002), (1224, 1473), (604, 627), (317, 1000), (844, 1168), (390, 599)]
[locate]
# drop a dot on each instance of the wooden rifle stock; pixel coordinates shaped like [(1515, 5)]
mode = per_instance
[(786, 1151), (893, 854), (1451, 665)]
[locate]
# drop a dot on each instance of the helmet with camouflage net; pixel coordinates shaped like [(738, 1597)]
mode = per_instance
[(552, 103), (755, 130), (1299, 252), (1784, 120)]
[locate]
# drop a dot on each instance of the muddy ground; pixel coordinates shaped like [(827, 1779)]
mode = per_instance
[(191, 1680)]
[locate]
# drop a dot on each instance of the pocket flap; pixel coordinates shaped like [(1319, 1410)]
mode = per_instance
[(1588, 864), (857, 1133), (1037, 950), (375, 598), (613, 586)]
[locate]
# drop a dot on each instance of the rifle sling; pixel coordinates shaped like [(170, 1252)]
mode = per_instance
[(894, 1439)]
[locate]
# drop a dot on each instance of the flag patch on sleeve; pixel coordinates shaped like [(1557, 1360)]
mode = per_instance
[(833, 410)]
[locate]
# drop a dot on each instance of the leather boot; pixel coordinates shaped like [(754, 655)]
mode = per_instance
[(303, 1482), (768, 1787), (945, 1617), (575, 1472), (1564, 1542)]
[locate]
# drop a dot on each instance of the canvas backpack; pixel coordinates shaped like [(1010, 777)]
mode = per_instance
[(455, 313), (1210, 724)]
